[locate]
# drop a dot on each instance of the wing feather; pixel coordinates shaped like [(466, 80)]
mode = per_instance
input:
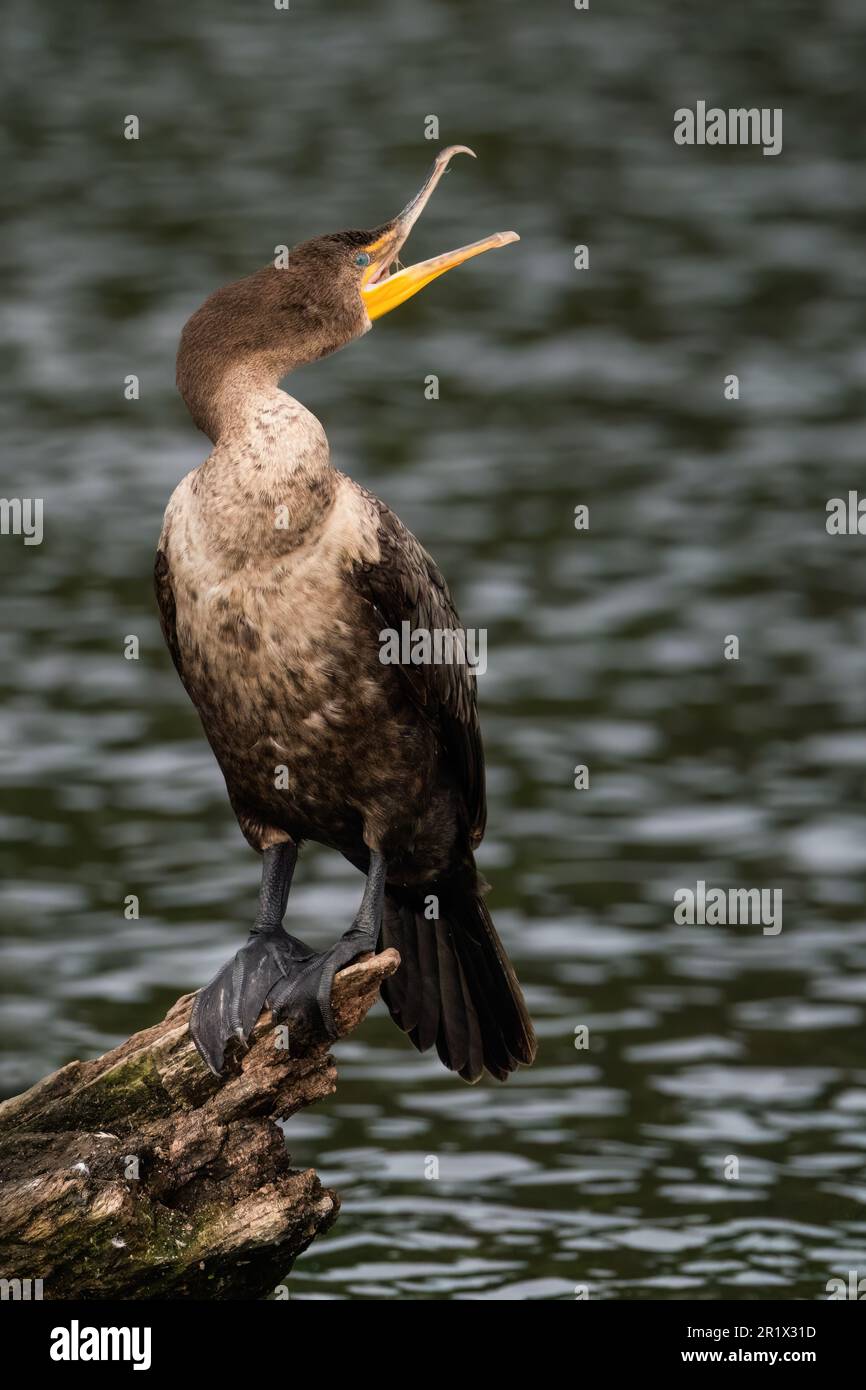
[(406, 584), (165, 602)]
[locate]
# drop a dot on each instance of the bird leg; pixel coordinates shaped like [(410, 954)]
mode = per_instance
[(276, 969), (227, 1009), (310, 987)]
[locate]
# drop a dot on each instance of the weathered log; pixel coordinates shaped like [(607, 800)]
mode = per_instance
[(141, 1175)]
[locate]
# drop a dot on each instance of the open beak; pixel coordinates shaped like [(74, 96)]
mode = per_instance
[(383, 288)]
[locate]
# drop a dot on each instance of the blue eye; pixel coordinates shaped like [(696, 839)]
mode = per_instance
[(362, 258)]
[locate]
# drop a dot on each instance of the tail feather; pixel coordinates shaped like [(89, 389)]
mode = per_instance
[(506, 1028), (458, 1042), (456, 986), (427, 1028), (406, 987)]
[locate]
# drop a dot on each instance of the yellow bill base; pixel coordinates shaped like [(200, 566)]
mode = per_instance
[(396, 289)]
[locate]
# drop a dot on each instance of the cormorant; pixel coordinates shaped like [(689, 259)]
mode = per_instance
[(275, 575)]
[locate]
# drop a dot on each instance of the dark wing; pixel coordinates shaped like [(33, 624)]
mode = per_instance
[(407, 585), (165, 603)]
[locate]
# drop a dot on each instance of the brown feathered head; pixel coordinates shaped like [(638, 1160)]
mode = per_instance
[(320, 296)]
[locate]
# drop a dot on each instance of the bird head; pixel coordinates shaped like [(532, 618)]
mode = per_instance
[(342, 282), (320, 296)]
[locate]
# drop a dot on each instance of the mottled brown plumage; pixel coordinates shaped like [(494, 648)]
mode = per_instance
[(275, 576)]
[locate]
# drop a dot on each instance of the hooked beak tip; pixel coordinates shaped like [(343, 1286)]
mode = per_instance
[(448, 153)]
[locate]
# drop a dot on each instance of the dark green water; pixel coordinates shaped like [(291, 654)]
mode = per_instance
[(603, 1167)]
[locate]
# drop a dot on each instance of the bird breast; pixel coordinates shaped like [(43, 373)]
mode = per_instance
[(269, 627)]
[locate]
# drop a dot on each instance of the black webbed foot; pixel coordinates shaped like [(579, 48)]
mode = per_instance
[(225, 1011), (276, 969), (307, 992)]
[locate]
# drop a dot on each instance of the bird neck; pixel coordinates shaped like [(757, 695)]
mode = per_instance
[(269, 480), (266, 433), (268, 485), (240, 407), (223, 397)]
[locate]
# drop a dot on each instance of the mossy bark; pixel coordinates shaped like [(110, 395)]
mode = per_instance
[(141, 1175)]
